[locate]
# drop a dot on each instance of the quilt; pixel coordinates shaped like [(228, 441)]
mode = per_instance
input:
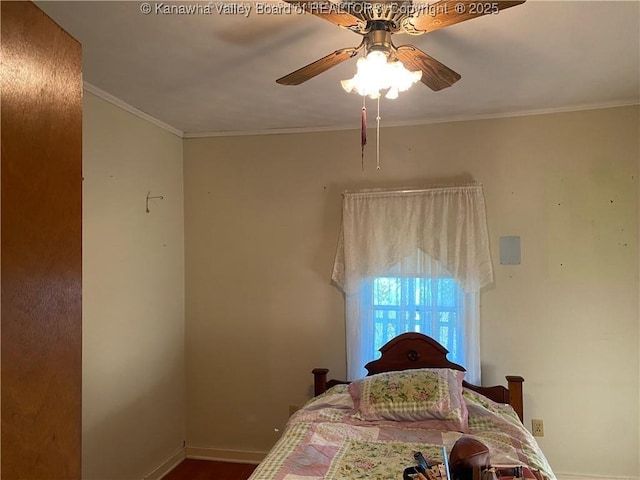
[(329, 439)]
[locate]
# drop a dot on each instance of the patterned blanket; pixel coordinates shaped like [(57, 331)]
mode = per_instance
[(326, 440)]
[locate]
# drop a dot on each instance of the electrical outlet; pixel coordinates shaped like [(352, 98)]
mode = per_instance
[(293, 409), (537, 427)]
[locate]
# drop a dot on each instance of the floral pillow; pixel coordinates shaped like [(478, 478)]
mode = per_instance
[(412, 396)]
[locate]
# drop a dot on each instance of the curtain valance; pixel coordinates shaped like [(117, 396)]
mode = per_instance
[(381, 228)]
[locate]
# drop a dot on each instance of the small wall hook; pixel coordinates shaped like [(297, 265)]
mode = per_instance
[(149, 197)]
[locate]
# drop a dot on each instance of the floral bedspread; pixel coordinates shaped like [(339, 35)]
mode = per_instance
[(325, 440)]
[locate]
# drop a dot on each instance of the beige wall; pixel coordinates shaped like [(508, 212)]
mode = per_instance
[(262, 217), (133, 315)]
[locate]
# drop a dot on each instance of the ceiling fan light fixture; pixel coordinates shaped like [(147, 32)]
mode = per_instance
[(392, 93), (375, 74)]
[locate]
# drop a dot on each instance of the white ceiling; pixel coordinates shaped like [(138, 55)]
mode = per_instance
[(215, 74)]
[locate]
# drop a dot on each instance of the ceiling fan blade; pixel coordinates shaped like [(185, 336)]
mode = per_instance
[(435, 75), (449, 12), (329, 11), (325, 63)]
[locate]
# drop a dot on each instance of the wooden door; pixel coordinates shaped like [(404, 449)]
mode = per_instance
[(41, 242)]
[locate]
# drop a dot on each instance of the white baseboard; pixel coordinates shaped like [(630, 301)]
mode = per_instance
[(169, 464), (577, 476), (236, 456)]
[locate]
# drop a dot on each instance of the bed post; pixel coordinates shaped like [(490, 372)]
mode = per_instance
[(515, 394), (319, 380)]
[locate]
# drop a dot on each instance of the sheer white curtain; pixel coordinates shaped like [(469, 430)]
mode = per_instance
[(432, 233)]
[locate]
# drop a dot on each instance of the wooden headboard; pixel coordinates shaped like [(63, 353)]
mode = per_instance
[(416, 350)]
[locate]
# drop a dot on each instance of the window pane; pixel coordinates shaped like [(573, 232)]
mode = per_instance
[(445, 317), (443, 337), (418, 291), (391, 332), (423, 291), (386, 291), (447, 292), (378, 339), (416, 304)]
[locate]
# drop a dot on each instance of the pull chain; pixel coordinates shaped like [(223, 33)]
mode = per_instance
[(378, 137), (363, 131)]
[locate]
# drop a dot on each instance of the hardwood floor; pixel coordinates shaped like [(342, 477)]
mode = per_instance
[(191, 469)]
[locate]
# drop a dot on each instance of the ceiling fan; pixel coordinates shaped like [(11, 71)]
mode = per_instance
[(377, 21)]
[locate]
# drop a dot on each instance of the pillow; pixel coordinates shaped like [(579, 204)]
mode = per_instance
[(412, 396)]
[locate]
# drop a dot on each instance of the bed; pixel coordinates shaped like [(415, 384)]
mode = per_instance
[(413, 399)]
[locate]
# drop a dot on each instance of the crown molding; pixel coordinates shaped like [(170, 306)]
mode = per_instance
[(459, 118), (131, 109), (332, 128)]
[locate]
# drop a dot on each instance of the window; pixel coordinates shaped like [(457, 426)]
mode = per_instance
[(430, 305), (413, 260)]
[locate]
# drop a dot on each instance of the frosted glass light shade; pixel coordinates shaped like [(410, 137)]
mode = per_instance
[(374, 75)]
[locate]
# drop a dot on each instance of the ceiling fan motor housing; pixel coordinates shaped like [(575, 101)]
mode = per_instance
[(378, 38)]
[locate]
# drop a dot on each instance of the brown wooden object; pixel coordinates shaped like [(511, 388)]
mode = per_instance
[(41, 242), (416, 350), (449, 12)]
